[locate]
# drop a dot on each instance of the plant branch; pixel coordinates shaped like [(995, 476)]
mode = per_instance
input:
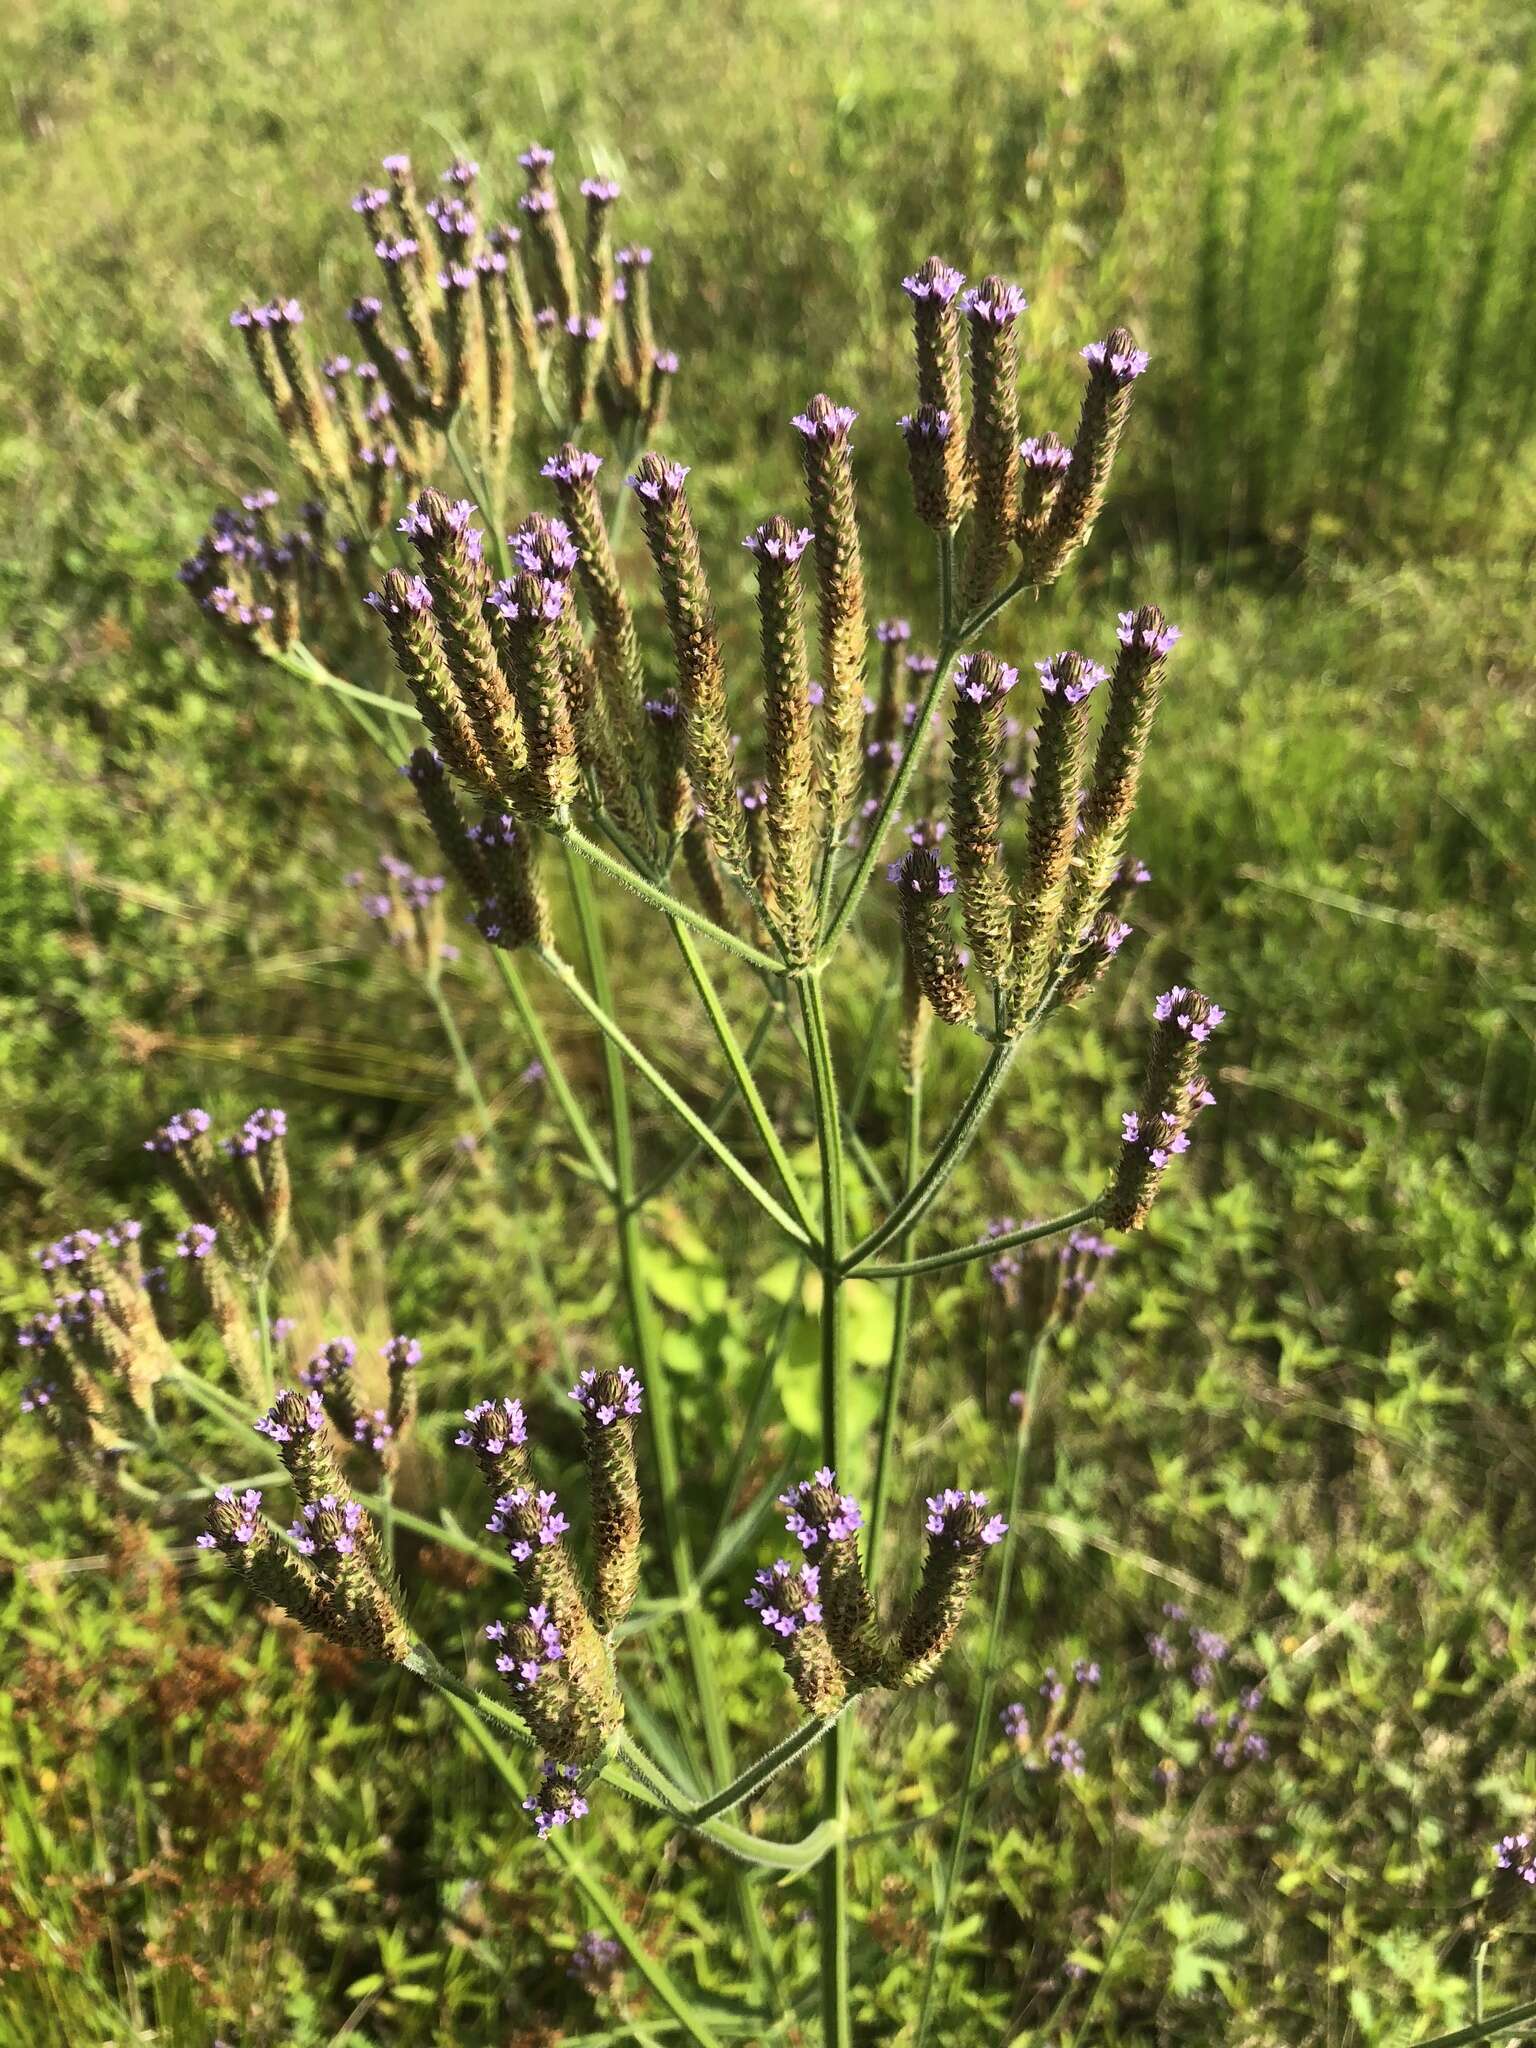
[(978, 1248)]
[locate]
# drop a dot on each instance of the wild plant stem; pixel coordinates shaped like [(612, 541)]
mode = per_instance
[(836, 2021), (686, 1154), (263, 1293), (981, 1719), (741, 1074), (608, 1910), (469, 1083), (951, 1150), (575, 1116), (662, 900), (896, 1370), (653, 1374), (980, 1247), (680, 1107)]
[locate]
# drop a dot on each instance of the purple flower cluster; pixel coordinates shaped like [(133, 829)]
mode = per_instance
[(998, 308), (374, 1429), (1169, 1005), (180, 1129), (557, 1802), (248, 1516), (1124, 365), (846, 1519), (628, 1396), (523, 1673), (931, 424), (828, 423), (768, 1591), (1515, 1854), (579, 466), (969, 684), (271, 1424), (913, 882), (196, 1241), (1087, 678), (774, 547), (1044, 457), (943, 287), (945, 1508), (343, 1542), (401, 1352), (552, 1524), (663, 489), (334, 1358), (1015, 1722), (1066, 1753), (261, 1127), (1130, 635), (493, 1425), (419, 524), (594, 1961)]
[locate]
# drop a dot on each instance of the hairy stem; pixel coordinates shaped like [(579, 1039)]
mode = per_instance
[(661, 899), (896, 1370), (836, 2021), (575, 1116), (980, 1247)]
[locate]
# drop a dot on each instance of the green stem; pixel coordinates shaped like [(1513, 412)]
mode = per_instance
[(469, 1083), (768, 1765), (978, 1248), (554, 1073), (981, 1719), (608, 1910), (663, 900), (757, 1407), (741, 1074), (836, 2020), (611, 1030), (896, 1371), (686, 1154), (653, 1374), (298, 661), (1483, 2030), (952, 1149)]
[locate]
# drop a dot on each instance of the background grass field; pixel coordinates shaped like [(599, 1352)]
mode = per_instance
[(1303, 1405)]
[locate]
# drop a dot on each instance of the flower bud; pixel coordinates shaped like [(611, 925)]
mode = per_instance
[(936, 463), (826, 1524), (777, 547), (933, 289), (1067, 680), (1114, 364), (1134, 690), (924, 887), (532, 610), (959, 1534), (514, 910), (827, 453), (609, 1403), (690, 612), (992, 450), (982, 683), (1173, 1094)]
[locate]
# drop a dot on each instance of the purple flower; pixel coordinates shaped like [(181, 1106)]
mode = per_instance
[(831, 1514), (800, 1584), (1087, 678), (1124, 366), (1173, 1003), (1051, 1688), (827, 422), (370, 201), (664, 361), (1514, 1854), (976, 688), (764, 542), (196, 1241), (635, 256), (1129, 635), (493, 1425), (1015, 1722), (181, 1129), (536, 157), (580, 466), (943, 286), (607, 1396), (601, 191), (1066, 1753), (1045, 458), (930, 425), (997, 309), (662, 489), (1162, 1651), (953, 1517), (1085, 1671), (893, 632)]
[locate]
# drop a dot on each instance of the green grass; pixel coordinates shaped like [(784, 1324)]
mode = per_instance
[(1301, 1407)]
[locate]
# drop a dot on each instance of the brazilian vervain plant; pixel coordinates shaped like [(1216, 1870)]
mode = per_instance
[(545, 734)]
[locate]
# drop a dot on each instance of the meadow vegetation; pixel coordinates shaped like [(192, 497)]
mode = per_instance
[(1298, 1407)]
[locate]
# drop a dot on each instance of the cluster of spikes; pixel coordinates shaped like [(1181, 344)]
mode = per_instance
[(556, 1659), (1042, 928), (819, 1611), (103, 1343), (328, 1570), (468, 310), (377, 1430)]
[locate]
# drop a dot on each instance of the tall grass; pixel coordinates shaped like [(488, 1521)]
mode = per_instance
[(1363, 289)]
